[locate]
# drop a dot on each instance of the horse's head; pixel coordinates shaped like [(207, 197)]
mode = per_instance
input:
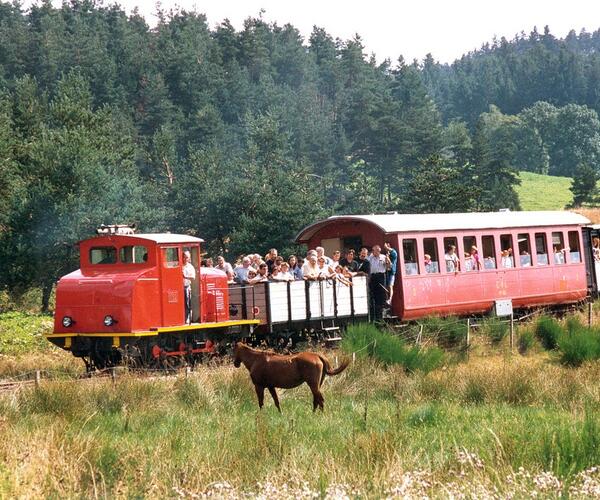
[(237, 358)]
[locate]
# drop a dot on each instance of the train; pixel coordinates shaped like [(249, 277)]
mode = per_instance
[(125, 304)]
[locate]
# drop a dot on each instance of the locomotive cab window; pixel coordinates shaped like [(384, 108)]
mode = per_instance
[(472, 262), (506, 246), (541, 250), (558, 248), (137, 254), (103, 255), (409, 248), (171, 257), (489, 252), (451, 256), (431, 257), (574, 251), (524, 250)]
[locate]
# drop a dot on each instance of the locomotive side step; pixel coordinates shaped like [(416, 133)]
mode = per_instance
[(331, 329)]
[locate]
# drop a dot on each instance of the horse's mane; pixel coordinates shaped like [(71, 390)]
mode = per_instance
[(268, 352)]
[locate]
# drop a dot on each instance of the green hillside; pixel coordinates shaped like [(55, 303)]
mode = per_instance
[(544, 192)]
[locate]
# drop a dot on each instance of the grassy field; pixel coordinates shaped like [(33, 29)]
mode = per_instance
[(543, 192), (498, 425)]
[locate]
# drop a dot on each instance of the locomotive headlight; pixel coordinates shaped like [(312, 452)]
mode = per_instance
[(67, 321), (109, 320)]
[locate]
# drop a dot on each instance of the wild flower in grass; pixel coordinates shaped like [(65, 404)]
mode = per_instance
[(586, 484), (340, 492), (546, 483), (540, 485), (470, 489), (412, 484), (465, 457), (268, 490)]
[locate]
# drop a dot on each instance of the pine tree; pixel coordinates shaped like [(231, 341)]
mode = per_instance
[(583, 185)]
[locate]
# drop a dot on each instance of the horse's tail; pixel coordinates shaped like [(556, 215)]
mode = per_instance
[(330, 371)]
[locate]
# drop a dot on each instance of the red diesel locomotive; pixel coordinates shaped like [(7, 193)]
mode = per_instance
[(125, 304)]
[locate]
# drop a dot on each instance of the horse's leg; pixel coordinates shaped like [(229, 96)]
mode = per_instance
[(260, 393), (275, 398), (317, 396)]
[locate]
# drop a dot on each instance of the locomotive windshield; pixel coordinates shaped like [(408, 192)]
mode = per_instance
[(103, 255), (137, 254)]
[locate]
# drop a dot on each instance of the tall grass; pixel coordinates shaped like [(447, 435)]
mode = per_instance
[(548, 330), (466, 427), (366, 339)]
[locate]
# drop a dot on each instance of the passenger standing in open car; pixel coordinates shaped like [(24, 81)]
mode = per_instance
[(189, 275), (325, 271), (310, 269), (379, 264), (261, 276), (295, 267), (391, 274), (225, 267), (349, 262), (363, 265), (241, 271)]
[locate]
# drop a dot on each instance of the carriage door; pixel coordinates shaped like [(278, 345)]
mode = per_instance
[(171, 275), (195, 254)]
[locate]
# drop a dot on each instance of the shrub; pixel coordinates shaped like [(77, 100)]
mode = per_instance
[(366, 340), (548, 331), (495, 329), (448, 332), (578, 345), (526, 341)]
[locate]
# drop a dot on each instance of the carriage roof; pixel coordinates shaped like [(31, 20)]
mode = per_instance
[(398, 223)]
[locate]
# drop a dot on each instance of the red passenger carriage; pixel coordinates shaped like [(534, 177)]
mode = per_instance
[(546, 266)]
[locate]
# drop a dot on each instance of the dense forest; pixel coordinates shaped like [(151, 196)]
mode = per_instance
[(244, 136)]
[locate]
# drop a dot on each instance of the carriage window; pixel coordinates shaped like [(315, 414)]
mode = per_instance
[(506, 245), (524, 250), (409, 247), (451, 257), (137, 254), (541, 250), (489, 252), (171, 257), (574, 246), (431, 259), (471, 253), (103, 255), (558, 248)]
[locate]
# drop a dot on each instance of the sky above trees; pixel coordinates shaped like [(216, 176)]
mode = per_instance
[(446, 29)]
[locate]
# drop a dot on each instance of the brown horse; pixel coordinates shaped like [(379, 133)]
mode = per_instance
[(269, 370)]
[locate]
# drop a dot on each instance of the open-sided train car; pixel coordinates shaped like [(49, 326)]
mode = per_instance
[(126, 304), (547, 266)]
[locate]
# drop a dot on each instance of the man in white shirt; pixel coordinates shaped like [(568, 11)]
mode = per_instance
[(225, 267), (189, 275), (321, 253), (310, 269), (378, 265), (241, 272)]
